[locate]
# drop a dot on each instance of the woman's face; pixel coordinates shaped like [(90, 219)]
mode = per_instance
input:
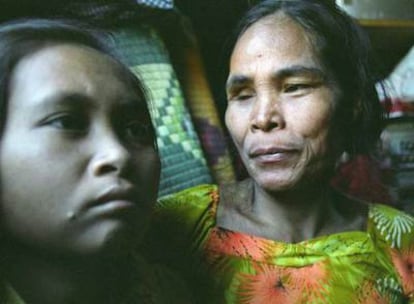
[(78, 169), (279, 105)]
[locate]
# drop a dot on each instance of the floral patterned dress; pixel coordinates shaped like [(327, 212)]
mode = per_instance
[(373, 266)]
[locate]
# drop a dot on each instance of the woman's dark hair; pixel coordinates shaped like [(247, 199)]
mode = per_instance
[(22, 38), (345, 51)]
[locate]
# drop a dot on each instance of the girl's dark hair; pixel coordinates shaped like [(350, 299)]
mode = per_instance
[(345, 51), (22, 38)]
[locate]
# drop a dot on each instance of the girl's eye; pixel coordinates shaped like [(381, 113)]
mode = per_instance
[(138, 132), (69, 122)]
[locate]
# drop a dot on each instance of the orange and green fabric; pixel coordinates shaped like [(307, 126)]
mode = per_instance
[(373, 266)]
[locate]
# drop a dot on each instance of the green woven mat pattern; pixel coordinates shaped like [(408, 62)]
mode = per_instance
[(182, 161)]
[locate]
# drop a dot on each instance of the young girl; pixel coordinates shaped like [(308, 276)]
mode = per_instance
[(79, 172)]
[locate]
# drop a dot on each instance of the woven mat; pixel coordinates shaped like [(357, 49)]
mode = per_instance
[(206, 118), (182, 161)]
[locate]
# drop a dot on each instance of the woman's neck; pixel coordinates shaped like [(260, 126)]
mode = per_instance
[(46, 279), (296, 215), (290, 216)]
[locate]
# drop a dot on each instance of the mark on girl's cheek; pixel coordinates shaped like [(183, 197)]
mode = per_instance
[(71, 216)]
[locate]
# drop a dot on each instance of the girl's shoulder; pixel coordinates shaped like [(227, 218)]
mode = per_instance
[(8, 295)]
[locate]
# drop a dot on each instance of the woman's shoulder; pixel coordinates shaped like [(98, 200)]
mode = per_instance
[(393, 229), (392, 225), (176, 215), (376, 209), (189, 195), (187, 203), (190, 212), (180, 224)]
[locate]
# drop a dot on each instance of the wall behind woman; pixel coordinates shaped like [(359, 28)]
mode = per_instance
[(213, 23)]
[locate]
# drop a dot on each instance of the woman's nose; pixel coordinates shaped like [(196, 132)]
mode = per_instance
[(266, 114), (111, 156)]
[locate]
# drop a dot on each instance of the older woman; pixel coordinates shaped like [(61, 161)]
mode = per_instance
[(300, 93), (79, 172)]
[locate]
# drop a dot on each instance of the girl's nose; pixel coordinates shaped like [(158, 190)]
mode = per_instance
[(111, 156)]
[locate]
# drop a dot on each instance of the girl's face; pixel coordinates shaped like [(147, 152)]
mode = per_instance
[(78, 169)]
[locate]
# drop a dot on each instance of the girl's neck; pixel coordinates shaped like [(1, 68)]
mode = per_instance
[(42, 279)]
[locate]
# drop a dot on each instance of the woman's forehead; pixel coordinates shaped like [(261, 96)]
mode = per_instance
[(278, 37)]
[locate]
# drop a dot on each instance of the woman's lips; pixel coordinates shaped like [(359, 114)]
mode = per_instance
[(272, 154)]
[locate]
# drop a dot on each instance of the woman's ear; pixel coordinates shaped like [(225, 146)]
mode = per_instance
[(357, 111)]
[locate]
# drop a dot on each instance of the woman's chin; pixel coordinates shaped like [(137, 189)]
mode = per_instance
[(275, 183)]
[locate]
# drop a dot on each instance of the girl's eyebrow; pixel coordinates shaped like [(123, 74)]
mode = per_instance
[(75, 100), (65, 99)]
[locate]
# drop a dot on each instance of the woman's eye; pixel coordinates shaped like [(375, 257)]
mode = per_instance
[(292, 88), (139, 132), (243, 96), (240, 94), (69, 122)]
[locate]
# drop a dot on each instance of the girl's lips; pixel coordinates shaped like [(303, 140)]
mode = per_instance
[(114, 200), (112, 197), (115, 193)]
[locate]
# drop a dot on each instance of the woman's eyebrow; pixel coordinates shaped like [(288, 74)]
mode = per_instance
[(299, 70), (237, 81)]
